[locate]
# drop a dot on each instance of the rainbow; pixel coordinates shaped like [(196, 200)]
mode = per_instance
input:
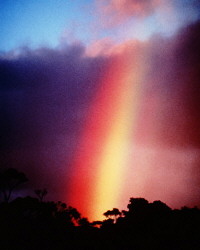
[(103, 156)]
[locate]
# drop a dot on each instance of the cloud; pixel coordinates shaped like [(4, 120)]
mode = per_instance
[(138, 8), (142, 18), (117, 11)]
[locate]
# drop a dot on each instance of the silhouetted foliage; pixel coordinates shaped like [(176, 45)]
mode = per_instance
[(83, 222), (137, 205), (10, 179), (113, 214), (97, 223), (41, 193), (30, 223)]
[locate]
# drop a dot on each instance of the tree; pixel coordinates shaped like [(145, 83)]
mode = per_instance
[(158, 207), (137, 205), (10, 179), (113, 214), (41, 193), (67, 214), (73, 213), (83, 222)]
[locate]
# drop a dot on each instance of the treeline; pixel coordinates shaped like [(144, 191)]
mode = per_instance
[(31, 223)]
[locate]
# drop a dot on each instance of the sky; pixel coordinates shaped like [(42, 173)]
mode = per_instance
[(100, 101)]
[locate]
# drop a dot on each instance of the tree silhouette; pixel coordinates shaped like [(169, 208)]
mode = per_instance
[(10, 179), (69, 215), (41, 193), (113, 214), (158, 207), (74, 214), (137, 204), (83, 222)]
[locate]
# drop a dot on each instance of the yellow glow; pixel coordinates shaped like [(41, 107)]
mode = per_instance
[(114, 161)]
